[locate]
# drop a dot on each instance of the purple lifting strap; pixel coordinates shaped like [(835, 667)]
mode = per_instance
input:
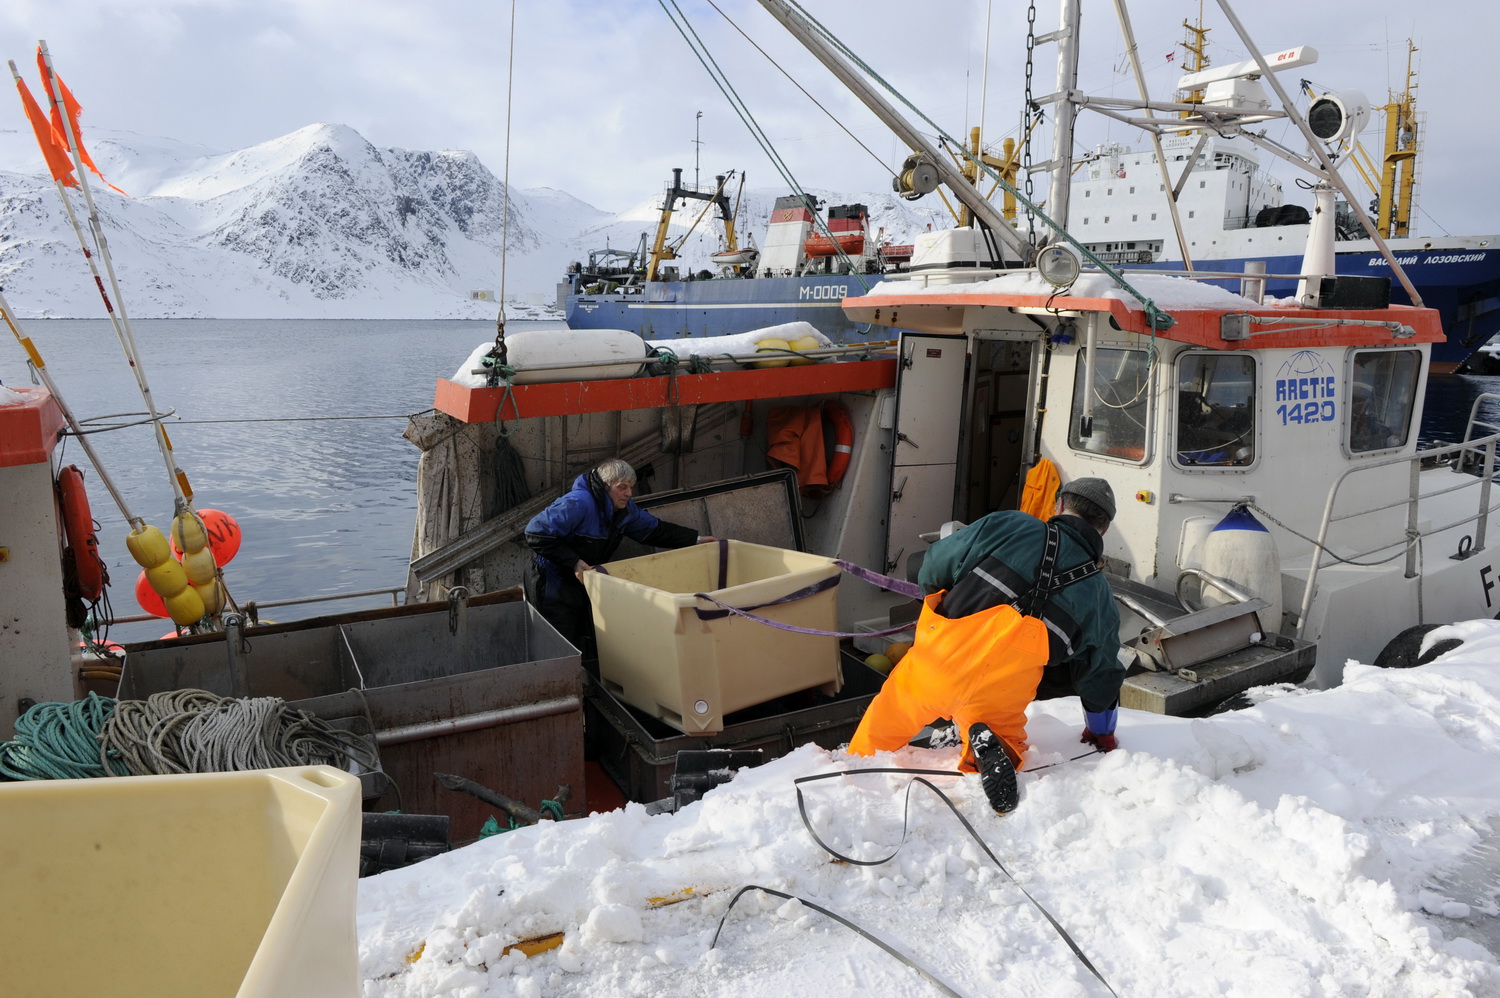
[(883, 581), (896, 586)]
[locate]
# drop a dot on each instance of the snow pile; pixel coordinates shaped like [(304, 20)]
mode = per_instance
[(1305, 846), (710, 348), (1165, 292)]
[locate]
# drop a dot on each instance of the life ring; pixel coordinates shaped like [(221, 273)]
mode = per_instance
[(843, 440), (83, 569)]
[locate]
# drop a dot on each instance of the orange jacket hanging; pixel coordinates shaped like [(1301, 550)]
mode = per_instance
[(794, 436), (1040, 493)]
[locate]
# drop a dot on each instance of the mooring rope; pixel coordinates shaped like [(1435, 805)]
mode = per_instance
[(59, 741), (179, 731), (194, 731)]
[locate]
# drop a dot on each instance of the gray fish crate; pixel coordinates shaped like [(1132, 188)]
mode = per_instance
[(639, 752), (481, 688)]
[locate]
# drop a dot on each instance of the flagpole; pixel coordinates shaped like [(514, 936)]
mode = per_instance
[(181, 490), (40, 366)]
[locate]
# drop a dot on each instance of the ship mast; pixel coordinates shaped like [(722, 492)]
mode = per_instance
[(1196, 46), (1398, 174), (1065, 112)]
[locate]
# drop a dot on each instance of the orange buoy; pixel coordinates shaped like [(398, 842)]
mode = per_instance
[(149, 599)]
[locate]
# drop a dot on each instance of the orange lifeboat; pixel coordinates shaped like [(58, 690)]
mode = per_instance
[(852, 243)]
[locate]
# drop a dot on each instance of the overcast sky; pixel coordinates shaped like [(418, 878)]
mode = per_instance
[(606, 94)]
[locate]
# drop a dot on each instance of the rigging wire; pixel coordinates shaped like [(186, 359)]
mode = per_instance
[(496, 360), (917, 777), (1156, 318), (831, 116), (680, 22), (505, 203)]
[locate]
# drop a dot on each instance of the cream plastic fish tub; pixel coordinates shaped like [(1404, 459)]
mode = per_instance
[(215, 885), (687, 661)]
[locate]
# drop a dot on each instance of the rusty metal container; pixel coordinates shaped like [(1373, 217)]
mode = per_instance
[(481, 688)]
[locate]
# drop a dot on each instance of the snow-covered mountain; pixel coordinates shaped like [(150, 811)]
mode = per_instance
[(321, 224)]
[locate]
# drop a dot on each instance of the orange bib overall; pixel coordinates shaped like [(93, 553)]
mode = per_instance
[(982, 667)]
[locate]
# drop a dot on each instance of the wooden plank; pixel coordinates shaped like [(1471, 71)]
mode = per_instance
[(479, 405)]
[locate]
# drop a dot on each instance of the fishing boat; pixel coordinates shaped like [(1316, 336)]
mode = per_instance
[(798, 274), (1205, 406), (1200, 403), (1209, 409), (1231, 214)]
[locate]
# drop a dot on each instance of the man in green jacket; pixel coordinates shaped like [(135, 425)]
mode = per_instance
[(1048, 572), (1083, 621)]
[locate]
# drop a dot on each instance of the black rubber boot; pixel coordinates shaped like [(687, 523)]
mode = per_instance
[(996, 772)]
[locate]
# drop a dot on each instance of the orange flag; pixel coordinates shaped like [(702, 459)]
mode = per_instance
[(54, 147), (74, 110)]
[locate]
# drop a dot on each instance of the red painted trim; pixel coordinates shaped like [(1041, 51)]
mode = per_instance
[(29, 430), (1197, 327), (477, 405)]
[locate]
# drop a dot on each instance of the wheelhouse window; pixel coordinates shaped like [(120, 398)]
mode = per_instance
[(1382, 398), (1121, 403), (1215, 410)]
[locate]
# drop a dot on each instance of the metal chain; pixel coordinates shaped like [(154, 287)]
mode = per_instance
[(1027, 118)]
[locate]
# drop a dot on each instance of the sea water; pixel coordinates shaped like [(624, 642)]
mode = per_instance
[(292, 427)]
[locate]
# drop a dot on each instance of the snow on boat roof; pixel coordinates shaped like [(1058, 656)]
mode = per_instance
[(1166, 292)]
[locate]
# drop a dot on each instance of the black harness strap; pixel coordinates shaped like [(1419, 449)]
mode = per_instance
[(1048, 582)]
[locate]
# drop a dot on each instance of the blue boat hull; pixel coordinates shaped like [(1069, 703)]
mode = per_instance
[(668, 310), (1462, 284)]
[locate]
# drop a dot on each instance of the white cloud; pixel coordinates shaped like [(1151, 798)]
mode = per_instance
[(605, 95)]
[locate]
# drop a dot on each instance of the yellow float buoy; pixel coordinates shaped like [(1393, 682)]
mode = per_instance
[(772, 345)]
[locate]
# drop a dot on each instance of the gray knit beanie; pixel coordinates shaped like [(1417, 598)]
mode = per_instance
[(1095, 490)]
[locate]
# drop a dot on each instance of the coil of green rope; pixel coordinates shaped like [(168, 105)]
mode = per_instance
[(60, 741), (194, 731)]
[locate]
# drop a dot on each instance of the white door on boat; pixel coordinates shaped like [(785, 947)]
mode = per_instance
[(929, 404)]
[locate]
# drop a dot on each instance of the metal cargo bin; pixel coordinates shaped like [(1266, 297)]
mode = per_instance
[(482, 688), (214, 884), (639, 752), (687, 661)]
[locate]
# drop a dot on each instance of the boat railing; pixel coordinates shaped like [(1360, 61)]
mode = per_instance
[(1212, 275), (394, 593), (951, 276), (1473, 453)]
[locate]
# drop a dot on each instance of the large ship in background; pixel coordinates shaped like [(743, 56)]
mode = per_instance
[(800, 274), (1232, 213)]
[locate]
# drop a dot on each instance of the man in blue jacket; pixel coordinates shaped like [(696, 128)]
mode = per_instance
[(583, 529)]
